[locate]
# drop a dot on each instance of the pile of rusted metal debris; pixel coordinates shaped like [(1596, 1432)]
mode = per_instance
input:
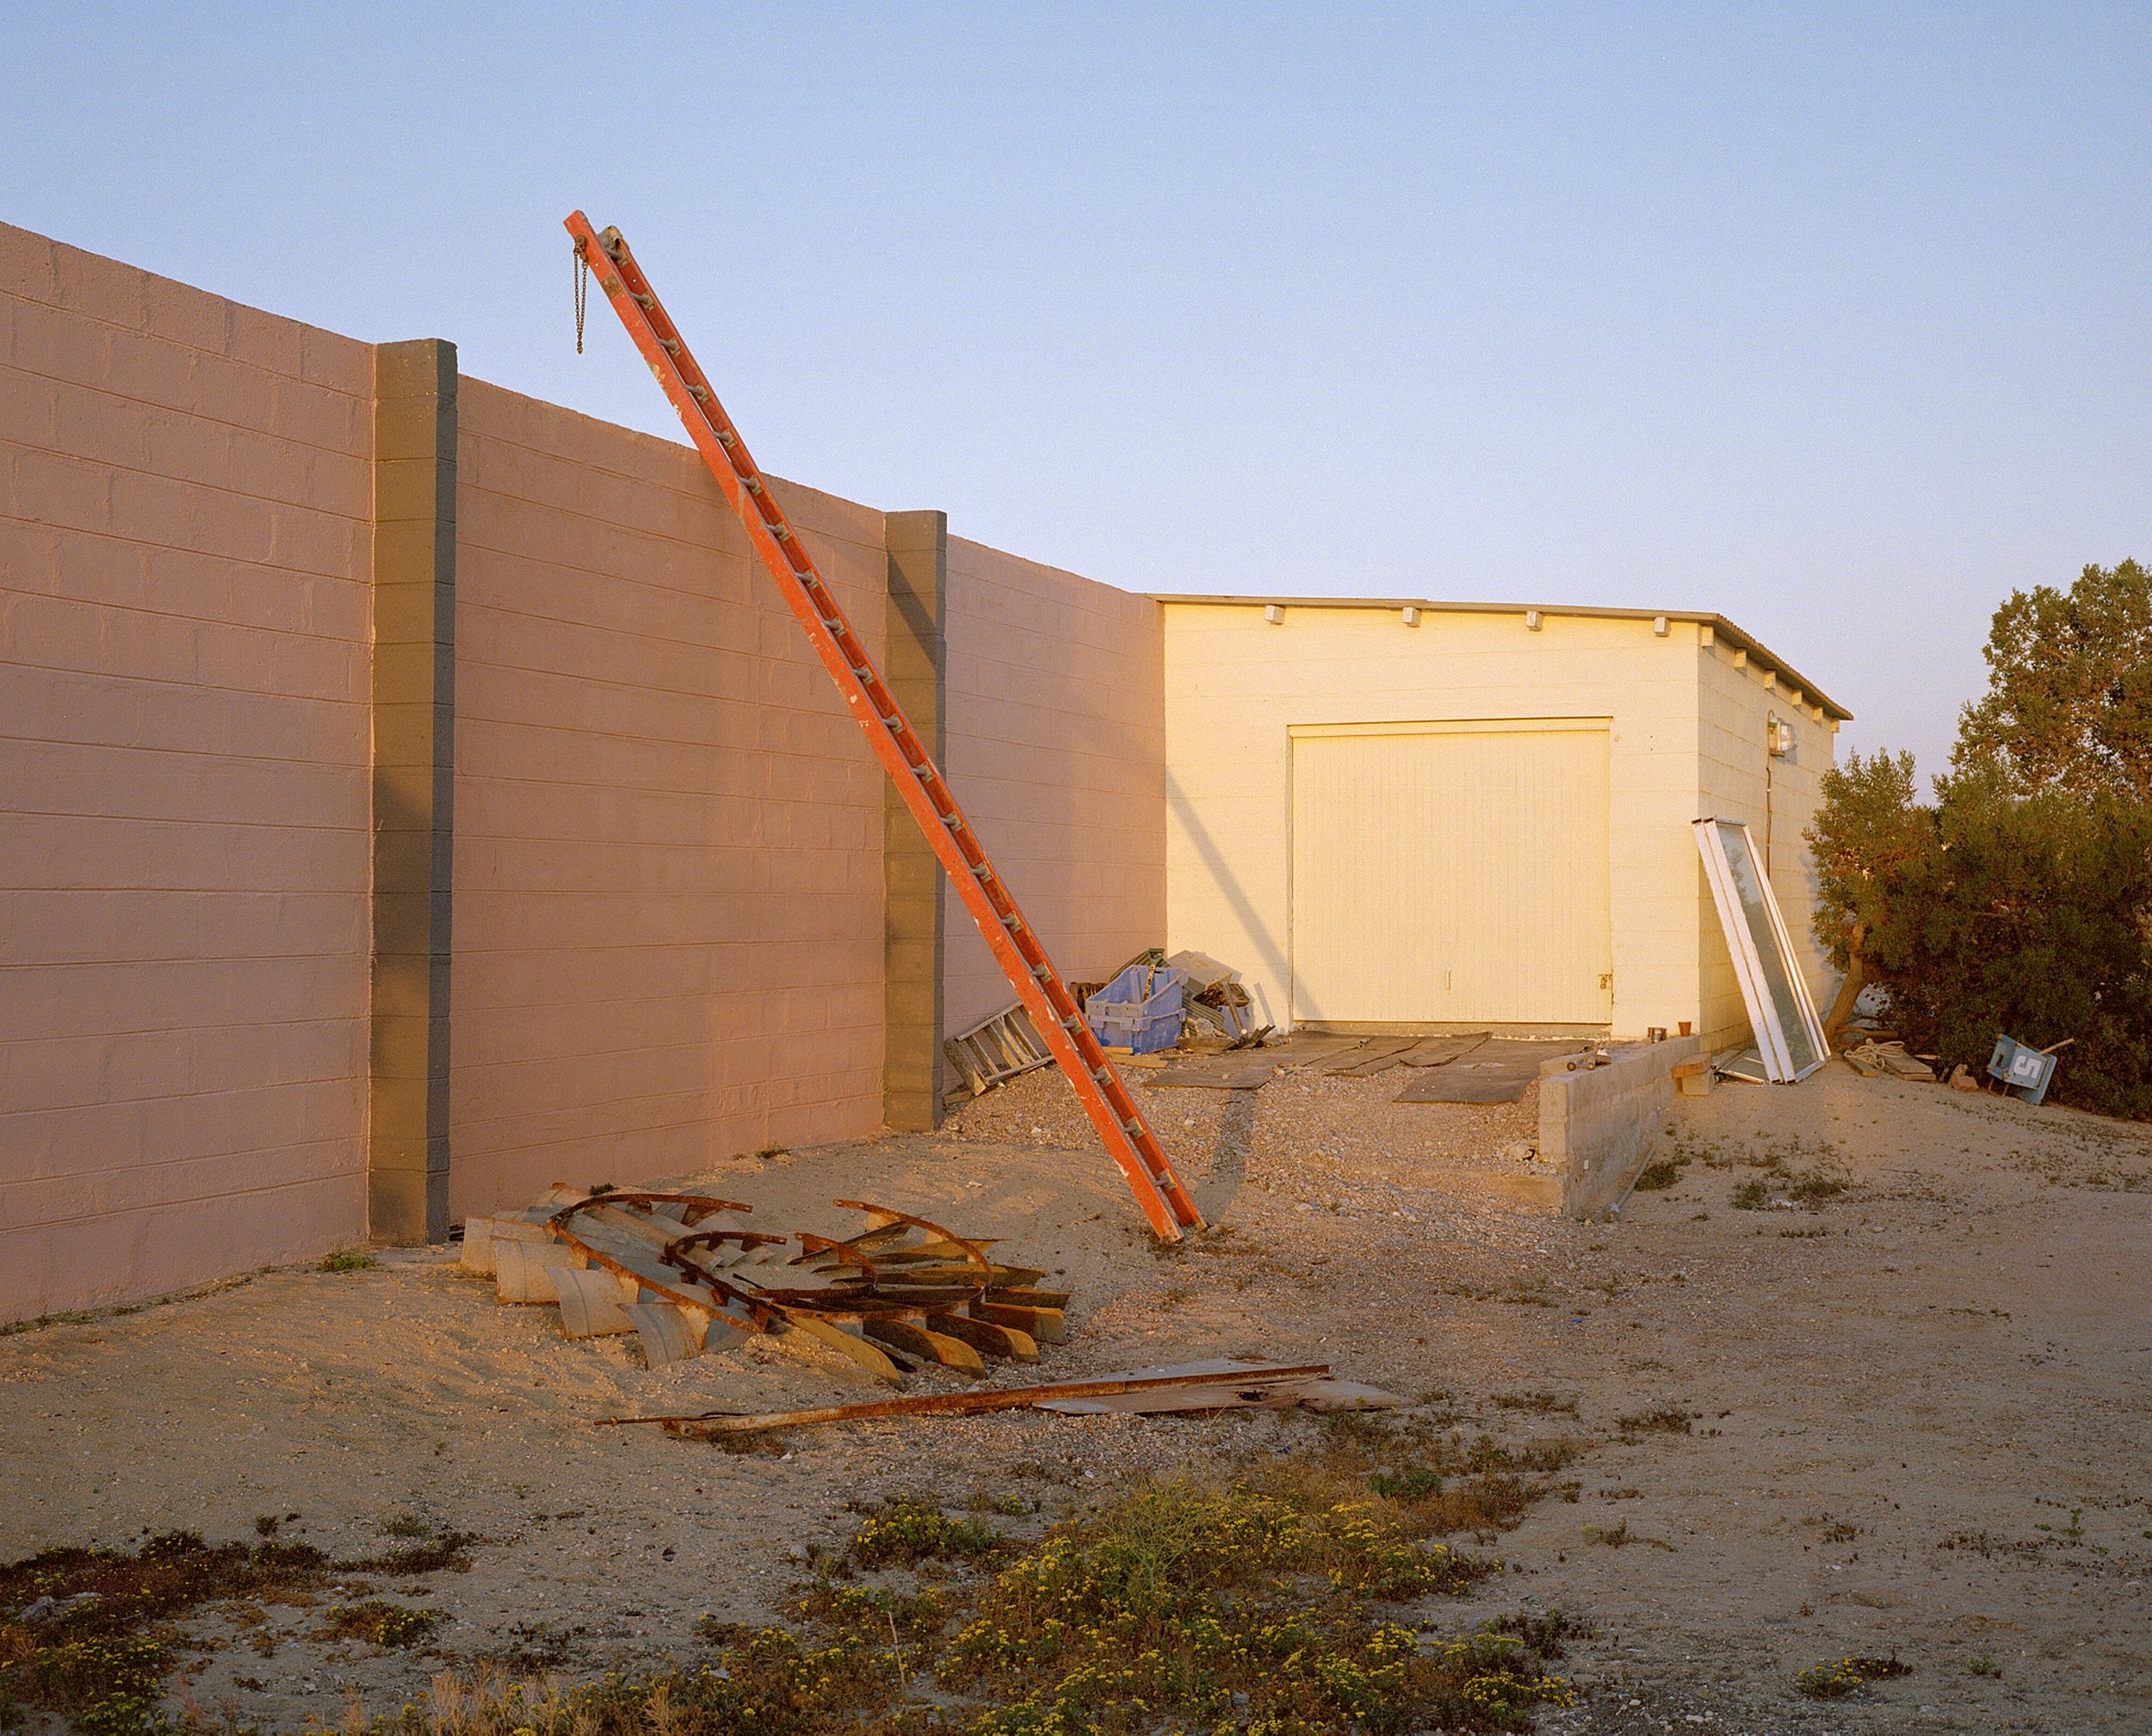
[(902, 1293)]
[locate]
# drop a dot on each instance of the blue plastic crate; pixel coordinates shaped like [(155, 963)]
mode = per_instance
[(2021, 1069), (1140, 1010)]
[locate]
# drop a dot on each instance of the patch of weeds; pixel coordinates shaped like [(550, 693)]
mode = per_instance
[(347, 1260), (402, 1525), (1847, 1675), (1982, 1665), (1614, 1536), (766, 1443), (1780, 1187), (1258, 1605), (1410, 1485), (378, 1623), (1670, 1419), (66, 1317), (766, 1152), (904, 1532), (109, 1687), (96, 1658), (910, 1617), (1808, 1235), (1542, 1402), (1660, 1175), (1199, 1606), (1431, 1481), (1546, 1632), (446, 1552), (535, 1647)]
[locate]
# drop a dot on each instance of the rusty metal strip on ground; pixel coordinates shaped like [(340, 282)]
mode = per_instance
[(971, 1403)]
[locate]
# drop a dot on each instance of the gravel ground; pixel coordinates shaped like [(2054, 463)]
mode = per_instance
[(1917, 1411)]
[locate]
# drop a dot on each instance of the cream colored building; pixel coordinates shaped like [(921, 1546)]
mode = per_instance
[(1391, 813)]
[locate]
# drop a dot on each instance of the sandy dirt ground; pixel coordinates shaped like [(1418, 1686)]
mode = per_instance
[(1920, 1409)]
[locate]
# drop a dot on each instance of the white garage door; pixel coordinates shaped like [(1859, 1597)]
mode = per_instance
[(1451, 873)]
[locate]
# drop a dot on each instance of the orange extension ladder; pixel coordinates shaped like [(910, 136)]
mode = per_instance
[(1129, 1140)]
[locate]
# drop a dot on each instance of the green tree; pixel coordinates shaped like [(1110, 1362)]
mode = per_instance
[(2068, 704), (1869, 826), (2019, 900)]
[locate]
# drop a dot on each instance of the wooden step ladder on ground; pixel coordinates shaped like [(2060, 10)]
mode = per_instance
[(1016, 948)]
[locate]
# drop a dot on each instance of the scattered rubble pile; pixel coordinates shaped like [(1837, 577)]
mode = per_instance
[(901, 1295), (1218, 1010)]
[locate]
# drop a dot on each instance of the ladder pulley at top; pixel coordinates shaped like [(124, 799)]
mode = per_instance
[(1121, 1127)]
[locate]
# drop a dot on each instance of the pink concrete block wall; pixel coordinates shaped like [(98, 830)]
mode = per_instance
[(185, 496), (668, 833), (1056, 748)]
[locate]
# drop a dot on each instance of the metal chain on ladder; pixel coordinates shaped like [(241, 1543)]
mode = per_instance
[(582, 290)]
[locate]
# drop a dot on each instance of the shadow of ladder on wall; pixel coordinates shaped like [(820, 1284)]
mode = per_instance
[(1016, 948)]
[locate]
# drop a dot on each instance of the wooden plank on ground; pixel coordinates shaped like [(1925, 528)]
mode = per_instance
[(1497, 1071), (1436, 1052), (1378, 1054), (1244, 1071)]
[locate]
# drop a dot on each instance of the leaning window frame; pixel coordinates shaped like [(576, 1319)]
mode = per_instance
[(1748, 965)]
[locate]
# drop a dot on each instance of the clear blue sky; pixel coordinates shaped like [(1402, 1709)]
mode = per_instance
[(1833, 320)]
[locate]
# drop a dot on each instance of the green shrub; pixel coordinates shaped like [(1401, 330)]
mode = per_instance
[(1835, 1680), (2018, 902), (908, 1531), (2029, 915)]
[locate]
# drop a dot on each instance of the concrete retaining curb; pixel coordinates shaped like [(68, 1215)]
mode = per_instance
[(1597, 1126)]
